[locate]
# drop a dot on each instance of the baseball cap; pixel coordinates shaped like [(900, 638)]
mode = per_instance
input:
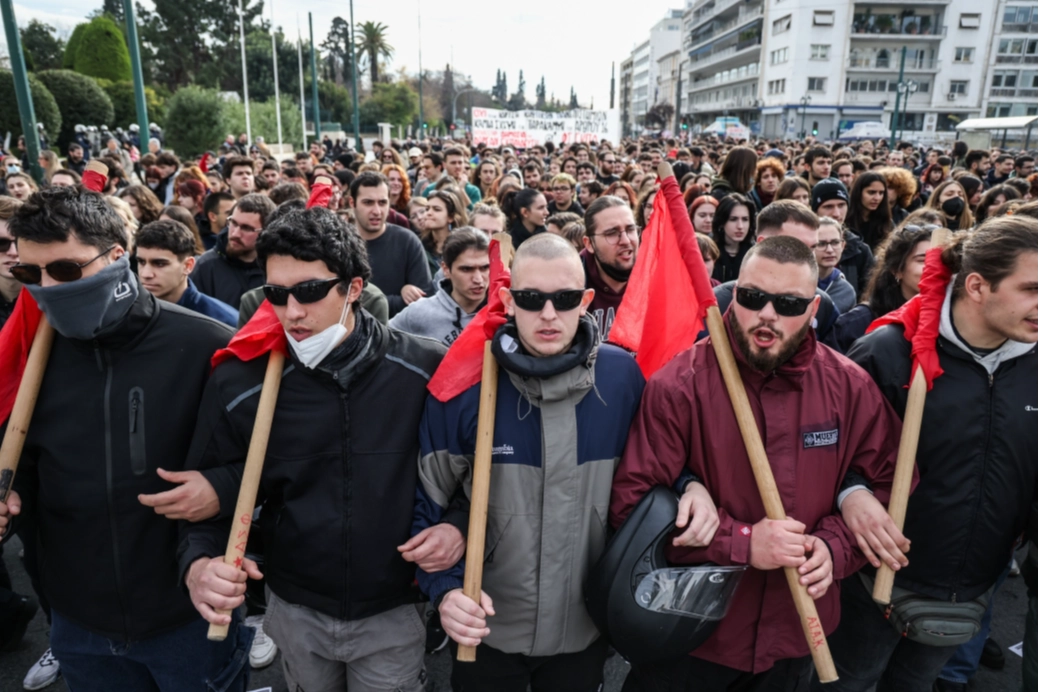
[(826, 190), (414, 151)]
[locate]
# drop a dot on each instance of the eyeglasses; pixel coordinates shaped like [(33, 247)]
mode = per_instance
[(62, 270), (564, 188), (613, 235), (787, 306), (5, 244), (913, 228), (534, 301), (305, 292), (234, 225), (823, 244)]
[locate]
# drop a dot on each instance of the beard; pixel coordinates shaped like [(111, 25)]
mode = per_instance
[(769, 361)]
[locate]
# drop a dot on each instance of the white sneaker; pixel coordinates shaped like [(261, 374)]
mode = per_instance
[(43, 673), (263, 649)]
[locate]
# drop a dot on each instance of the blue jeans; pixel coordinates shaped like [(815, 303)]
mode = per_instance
[(964, 663), (183, 660)]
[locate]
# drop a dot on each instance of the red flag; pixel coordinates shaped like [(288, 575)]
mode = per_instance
[(669, 291), (262, 334), (95, 176), (921, 315), (15, 341), (463, 364), (321, 192)]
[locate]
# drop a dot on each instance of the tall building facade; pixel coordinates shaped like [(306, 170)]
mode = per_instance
[(664, 37)]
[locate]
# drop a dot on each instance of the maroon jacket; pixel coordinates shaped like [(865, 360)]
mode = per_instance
[(604, 306), (819, 415)]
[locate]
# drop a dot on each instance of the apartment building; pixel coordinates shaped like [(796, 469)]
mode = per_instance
[(664, 38), (1011, 81)]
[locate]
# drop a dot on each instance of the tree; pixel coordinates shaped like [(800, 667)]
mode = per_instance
[(335, 102), (112, 8), (40, 42), (394, 103), (337, 48), (447, 91), (500, 92), (573, 99), (539, 92), (124, 103), (68, 58), (263, 116), (80, 100), (661, 114), (518, 101), (372, 45), (43, 103), (102, 51), (194, 120)]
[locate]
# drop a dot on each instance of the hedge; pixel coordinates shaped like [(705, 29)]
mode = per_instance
[(102, 51), (125, 104), (43, 103), (194, 121), (68, 60), (80, 100)]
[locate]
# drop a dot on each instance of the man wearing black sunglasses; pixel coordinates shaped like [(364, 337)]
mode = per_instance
[(10, 287), (565, 402), (819, 416), (340, 476), (112, 422)]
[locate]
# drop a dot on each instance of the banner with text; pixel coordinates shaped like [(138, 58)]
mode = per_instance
[(524, 129)]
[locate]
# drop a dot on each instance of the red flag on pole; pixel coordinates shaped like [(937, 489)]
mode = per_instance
[(669, 291), (262, 334), (463, 364), (921, 315), (321, 192)]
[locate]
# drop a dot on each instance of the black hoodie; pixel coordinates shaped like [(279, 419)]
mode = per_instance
[(223, 277)]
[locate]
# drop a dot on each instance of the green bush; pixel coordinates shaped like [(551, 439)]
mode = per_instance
[(264, 118), (195, 121), (68, 60), (102, 51), (125, 104), (43, 103), (335, 101), (80, 100), (395, 103)]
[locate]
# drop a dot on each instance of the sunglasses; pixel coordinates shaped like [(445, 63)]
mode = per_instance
[(62, 270), (534, 301), (5, 244), (787, 306), (304, 293)]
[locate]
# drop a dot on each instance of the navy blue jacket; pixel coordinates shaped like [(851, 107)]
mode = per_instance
[(195, 300)]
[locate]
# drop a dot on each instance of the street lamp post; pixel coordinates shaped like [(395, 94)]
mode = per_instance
[(805, 100), (905, 90), (454, 103)]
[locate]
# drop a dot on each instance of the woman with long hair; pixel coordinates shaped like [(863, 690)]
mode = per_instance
[(768, 174), (895, 279), (869, 215), (733, 230), (191, 195), (49, 163), (633, 175), (501, 187), (183, 215), (444, 212), (20, 186), (391, 157), (644, 207), (902, 187), (736, 174), (994, 198), (145, 206), (702, 212), (950, 200), (400, 186), (526, 210), (795, 188), (972, 186), (933, 176), (623, 190), (483, 176)]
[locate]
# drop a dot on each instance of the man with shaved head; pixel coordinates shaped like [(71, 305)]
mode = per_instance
[(565, 402)]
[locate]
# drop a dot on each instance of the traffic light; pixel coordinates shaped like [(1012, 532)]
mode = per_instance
[(452, 126), (685, 126), (424, 126), (815, 128)]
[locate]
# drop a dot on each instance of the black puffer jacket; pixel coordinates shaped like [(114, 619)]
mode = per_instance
[(977, 463), (856, 262), (339, 479), (110, 413)]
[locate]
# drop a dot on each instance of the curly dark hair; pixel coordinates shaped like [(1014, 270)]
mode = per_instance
[(316, 234), (54, 214), (883, 293)]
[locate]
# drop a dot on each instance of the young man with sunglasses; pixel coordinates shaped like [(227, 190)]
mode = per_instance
[(820, 416), (564, 404), (113, 421), (10, 287), (339, 480), (230, 268), (611, 244)]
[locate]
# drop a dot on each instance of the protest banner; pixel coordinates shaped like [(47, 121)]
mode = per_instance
[(524, 129)]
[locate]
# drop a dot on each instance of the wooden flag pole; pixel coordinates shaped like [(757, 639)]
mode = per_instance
[(24, 404), (481, 487), (813, 628), (911, 424), (243, 513)]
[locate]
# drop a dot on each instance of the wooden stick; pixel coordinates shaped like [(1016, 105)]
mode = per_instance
[(813, 628), (907, 445), (24, 404), (243, 513), (481, 487)]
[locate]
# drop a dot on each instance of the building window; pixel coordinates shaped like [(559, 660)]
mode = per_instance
[(823, 18), (1020, 18), (777, 86), (779, 56), (820, 51), (998, 110), (964, 55), (781, 25), (958, 88), (970, 20), (817, 84)]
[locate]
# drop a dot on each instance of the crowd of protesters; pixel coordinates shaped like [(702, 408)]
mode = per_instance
[(360, 537)]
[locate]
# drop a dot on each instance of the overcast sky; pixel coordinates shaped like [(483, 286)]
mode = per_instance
[(570, 43)]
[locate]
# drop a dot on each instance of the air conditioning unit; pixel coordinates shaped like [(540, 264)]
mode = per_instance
[(951, 96)]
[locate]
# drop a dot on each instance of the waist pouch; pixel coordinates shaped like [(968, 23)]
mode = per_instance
[(931, 621)]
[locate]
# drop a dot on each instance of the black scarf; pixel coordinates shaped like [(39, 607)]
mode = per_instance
[(516, 359)]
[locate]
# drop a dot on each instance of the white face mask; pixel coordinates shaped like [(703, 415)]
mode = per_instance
[(312, 350)]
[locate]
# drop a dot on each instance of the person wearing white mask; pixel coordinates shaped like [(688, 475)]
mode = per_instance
[(340, 475)]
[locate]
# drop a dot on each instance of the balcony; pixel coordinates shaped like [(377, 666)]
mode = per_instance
[(892, 64), (746, 14), (728, 77), (1015, 28), (705, 13), (893, 27), (1011, 59), (1012, 92), (723, 55)]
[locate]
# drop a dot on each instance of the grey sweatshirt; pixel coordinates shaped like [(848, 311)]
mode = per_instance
[(437, 316)]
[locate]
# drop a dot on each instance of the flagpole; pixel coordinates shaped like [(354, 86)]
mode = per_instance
[(277, 92), (245, 76), (302, 89)]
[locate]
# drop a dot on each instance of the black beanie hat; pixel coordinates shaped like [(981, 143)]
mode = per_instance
[(828, 189)]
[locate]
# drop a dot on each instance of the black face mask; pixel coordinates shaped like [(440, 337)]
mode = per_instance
[(614, 273), (953, 206)]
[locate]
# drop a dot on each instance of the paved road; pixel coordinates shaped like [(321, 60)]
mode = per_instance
[(1008, 629)]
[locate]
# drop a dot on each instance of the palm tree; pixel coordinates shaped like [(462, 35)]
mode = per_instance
[(372, 45)]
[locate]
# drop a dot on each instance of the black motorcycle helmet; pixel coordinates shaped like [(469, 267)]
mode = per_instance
[(648, 610)]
